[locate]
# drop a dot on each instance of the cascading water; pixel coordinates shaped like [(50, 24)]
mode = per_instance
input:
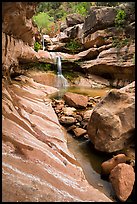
[(61, 83), (61, 80)]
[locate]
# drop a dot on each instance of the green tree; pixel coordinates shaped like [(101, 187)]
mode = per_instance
[(43, 20)]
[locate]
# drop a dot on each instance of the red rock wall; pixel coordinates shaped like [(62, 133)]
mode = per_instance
[(17, 33)]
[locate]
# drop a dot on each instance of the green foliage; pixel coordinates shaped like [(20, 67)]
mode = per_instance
[(120, 18), (119, 43), (37, 46), (43, 20), (81, 7), (72, 45), (40, 66), (70, 75)]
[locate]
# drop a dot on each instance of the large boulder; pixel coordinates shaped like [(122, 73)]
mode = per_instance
[(108, 165), (99, 18), (75, 100), (122, 178), (73, 19), (112, 123)]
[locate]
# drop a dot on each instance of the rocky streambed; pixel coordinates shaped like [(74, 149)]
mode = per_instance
[(37, 163)]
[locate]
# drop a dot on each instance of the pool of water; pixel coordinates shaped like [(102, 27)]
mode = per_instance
[(90, 160), (92, 92)]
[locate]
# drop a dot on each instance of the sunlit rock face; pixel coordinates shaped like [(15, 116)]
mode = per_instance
[(36, 163)]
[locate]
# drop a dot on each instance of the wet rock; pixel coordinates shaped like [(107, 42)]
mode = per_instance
[(75, 100), (79, 132), (71, 128), (122, 178), (108, 165), (67, 120), (112, 123)]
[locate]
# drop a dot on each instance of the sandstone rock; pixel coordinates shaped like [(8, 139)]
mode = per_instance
[(87, 114), (62, 37), (74, 32), (63, 26), (69, 110), (108, 165), (75, 100), (35, 158), (79, 131), (97, 38), (112, 64), (99, 18), (19, 13), (112, 123), (67, 120), (73, 19), (122, 178)]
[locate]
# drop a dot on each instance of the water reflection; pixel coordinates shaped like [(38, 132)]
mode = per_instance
[(90, 161)]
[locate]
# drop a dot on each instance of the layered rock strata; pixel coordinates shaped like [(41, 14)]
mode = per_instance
[(36, 161)]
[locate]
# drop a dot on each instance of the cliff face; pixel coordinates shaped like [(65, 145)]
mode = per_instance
[(17, 34)]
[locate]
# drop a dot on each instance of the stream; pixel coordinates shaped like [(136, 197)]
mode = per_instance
[(83, 150)]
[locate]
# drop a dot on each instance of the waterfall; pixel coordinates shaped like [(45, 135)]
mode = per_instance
[(61, 81), (43, 42)]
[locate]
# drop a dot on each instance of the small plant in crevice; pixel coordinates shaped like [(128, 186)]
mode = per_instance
[(37, 46), (120, 18), (119, 43), (73, 45)]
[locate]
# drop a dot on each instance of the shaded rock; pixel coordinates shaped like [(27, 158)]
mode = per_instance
[(122, 178), (108, 165), (70, 128), (112, 64), (99, 18), (97, 39), (75, 100), (74, 19), (87, 114), (63, 26), (67, 120), (19, 13), (112, 123), (92, 81), (78, 117), (62, 37), (79, 131), (74, 32)]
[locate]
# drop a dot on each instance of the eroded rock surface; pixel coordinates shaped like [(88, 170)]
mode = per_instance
[(36, 161), (112, 123), (122, 178)]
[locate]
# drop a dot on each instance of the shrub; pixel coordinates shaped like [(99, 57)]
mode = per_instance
[(120, 18), (37, 46), (73, 45)]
